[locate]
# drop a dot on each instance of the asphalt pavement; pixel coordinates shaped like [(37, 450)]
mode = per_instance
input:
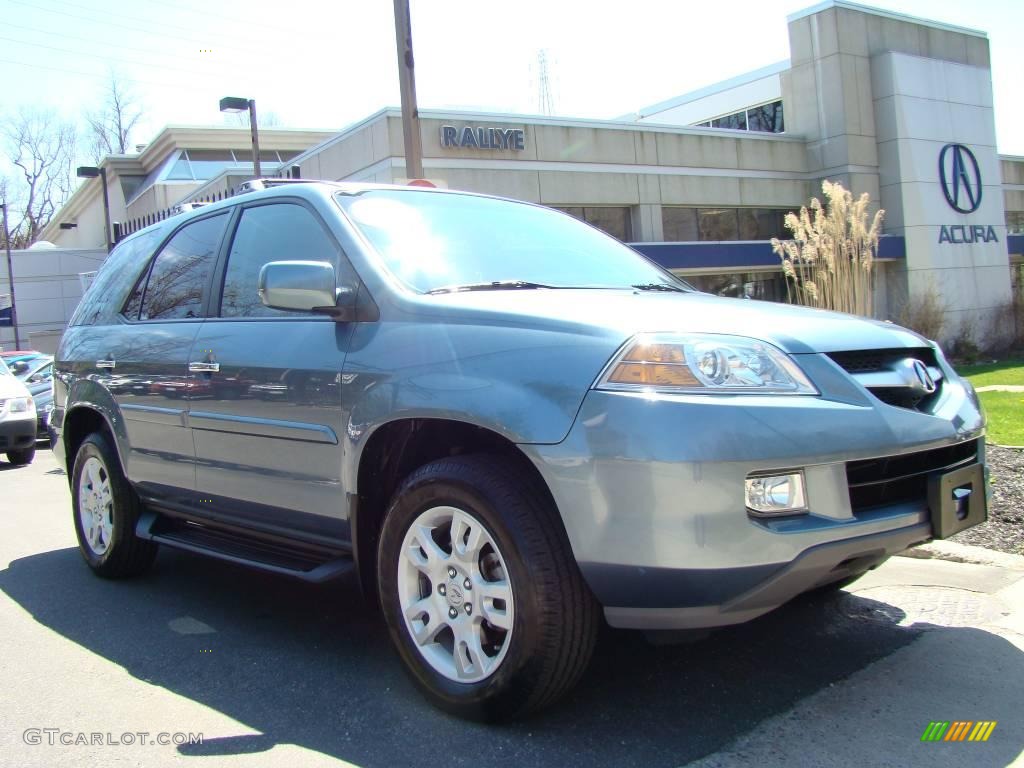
[(272, 671)]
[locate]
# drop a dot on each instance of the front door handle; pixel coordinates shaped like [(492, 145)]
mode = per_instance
[(199, 367), (108, 364)]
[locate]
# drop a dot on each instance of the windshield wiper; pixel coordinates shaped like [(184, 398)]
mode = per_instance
[(496, 285), (658, 287)]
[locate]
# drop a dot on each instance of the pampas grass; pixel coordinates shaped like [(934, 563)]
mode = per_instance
[(828, 263)]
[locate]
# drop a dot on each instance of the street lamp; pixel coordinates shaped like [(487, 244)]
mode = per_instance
[(236, 104), (10, 278), (91, 172)]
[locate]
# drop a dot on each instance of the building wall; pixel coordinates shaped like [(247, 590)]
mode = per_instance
[(47, 291), (580, 163)]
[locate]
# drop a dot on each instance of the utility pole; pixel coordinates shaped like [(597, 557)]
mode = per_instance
[(10, 278), (407, 83)]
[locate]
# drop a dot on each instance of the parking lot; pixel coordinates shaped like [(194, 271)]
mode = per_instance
[(273, 671)]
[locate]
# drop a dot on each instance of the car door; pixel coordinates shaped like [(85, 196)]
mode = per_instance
[(143, 359), (265, 407)]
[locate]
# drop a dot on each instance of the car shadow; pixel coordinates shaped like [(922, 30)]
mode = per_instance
[(312, 665)]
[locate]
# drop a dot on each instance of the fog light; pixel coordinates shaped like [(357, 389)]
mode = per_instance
[(776, 494)]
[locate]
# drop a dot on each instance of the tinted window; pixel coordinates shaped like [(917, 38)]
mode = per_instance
[(679, 224), (120, 270), (717, 224), (182, 270), (280, 232), (613, 220)]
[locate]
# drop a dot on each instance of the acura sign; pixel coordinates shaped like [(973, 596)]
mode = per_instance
[(960, 177)]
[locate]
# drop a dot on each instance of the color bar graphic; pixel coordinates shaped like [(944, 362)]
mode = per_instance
[(958, 730)]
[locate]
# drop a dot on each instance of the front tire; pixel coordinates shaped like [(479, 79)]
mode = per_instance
[(480, 589), (22, 456), (106, 510)]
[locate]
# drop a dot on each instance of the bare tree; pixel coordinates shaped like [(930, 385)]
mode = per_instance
[(110, 127), (40, 146)]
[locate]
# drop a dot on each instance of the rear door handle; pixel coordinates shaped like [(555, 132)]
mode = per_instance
[(198, 367), (109, 364)]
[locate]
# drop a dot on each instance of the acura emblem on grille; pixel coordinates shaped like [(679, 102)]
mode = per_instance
[(925, 380)]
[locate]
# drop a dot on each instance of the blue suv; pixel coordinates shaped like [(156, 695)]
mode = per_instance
[(507, 424)]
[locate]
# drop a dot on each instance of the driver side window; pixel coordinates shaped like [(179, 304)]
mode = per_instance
[(276, 232)]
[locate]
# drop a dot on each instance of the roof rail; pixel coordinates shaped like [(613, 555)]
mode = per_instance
[(255, 185), (186, 207)]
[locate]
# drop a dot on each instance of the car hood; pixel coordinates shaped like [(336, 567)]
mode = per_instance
[(798, 330), (11, 387)]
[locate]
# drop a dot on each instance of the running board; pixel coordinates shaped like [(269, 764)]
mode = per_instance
[(252, 551)]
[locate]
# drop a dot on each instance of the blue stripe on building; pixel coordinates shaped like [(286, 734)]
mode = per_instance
[(746, 253)]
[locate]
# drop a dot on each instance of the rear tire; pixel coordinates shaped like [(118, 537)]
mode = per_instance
[(21, 456), (514, 629), (106, 510)]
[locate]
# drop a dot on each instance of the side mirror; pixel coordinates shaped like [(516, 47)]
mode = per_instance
[(305, 286)]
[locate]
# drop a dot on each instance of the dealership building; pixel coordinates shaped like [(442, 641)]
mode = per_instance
[(897, 107)]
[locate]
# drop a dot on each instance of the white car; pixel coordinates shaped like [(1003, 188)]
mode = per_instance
[(17, 419)]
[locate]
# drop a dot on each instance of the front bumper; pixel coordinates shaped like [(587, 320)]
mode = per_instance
[(651, 491), (17, 434)]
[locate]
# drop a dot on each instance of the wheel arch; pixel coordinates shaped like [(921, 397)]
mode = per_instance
[(79, 422), (396, 449)]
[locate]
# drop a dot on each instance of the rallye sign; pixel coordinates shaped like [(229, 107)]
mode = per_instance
[(477, 137)]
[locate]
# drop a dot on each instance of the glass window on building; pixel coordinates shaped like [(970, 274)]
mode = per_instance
[(615, 220), (763, 286), (679, 225), (762, 224), (1015, 222), (737, 121), (765, 118), (683, 224), (717, 224)]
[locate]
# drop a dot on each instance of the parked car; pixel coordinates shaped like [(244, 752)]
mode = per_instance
[(505, 422), (20, 362), (37, 368), (17, 420)]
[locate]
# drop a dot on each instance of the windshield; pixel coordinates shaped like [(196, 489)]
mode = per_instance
[(434, 242)]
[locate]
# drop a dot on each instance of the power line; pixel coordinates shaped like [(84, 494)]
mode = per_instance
[(205, 14), (147, 51), (108, 23), (190, 87), (193, 72), (162, 24)]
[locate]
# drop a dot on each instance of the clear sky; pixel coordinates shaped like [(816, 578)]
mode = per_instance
[(325, 64)]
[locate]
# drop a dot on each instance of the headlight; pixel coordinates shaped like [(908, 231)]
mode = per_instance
[(22, 405), (704, 363)]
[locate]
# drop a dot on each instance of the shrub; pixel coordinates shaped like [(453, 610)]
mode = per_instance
[(828, 262), (925, 313)]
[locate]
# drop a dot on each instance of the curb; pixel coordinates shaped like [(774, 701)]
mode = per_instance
[(963, 553)]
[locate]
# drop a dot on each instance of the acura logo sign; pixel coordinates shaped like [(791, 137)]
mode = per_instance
[(960, 177)]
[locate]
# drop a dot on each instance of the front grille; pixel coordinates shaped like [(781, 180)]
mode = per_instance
[(875, 360), (904, 478), (863, 363)]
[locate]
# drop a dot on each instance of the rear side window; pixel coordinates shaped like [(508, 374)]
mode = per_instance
[(115, 277), (180, 273), (278, 232)]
